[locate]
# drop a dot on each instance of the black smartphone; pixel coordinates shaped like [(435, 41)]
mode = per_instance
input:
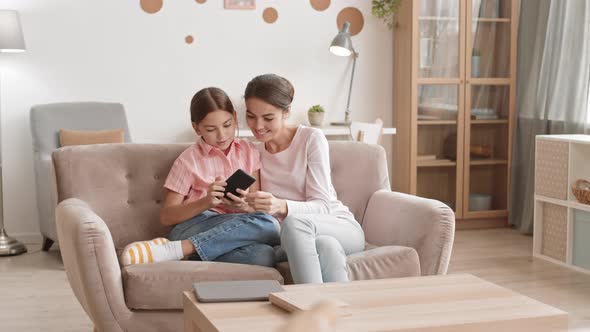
[(238, 180)]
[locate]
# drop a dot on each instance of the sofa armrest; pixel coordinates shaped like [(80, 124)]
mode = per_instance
[(426, 225), (91, 264)]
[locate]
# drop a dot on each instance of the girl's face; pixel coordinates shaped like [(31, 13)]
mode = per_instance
[(264, 120), (218, 129)]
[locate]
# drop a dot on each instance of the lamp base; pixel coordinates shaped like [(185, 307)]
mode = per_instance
[(343, 124), (10, 246)]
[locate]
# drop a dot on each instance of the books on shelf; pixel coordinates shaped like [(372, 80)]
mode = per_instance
[(484, 117), (484, 114), (428, 117)]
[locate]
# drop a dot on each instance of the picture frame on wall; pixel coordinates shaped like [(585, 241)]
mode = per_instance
[(239, 4)]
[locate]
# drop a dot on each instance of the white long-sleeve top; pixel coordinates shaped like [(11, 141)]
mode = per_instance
[(300, 174)]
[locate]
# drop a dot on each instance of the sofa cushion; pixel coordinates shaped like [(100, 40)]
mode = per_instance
[(384, 262), (160, 285), (375, 263)]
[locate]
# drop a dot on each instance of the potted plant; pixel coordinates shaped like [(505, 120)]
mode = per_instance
[(315, 114), (385, 9), (475, 62)]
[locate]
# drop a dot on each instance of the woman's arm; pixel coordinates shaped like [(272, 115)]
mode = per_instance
[(256, 185), (317, 178), (317, 184), (266, 202)]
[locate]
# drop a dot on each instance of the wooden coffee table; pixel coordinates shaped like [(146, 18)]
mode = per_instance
[(458, 302)]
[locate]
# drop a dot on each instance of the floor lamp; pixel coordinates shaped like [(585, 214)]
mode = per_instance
[(342, 46), (11, 40)]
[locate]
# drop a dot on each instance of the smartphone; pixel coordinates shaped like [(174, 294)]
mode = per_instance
[(238, 180)]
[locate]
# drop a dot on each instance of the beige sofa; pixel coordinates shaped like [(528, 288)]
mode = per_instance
[(110, 195)]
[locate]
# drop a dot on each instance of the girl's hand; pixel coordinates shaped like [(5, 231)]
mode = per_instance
[(266, 202), (215, 192), (237, 203)]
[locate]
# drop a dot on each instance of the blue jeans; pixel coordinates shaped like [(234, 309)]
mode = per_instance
[(244, 238)]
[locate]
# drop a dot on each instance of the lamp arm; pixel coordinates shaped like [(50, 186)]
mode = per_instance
[(347, 112)]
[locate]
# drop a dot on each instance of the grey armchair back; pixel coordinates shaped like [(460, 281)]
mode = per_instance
[(46, 121)]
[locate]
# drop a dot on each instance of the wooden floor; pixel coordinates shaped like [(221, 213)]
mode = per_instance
[(35, 295), (503, 256)]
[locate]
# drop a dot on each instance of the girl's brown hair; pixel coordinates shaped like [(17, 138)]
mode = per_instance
[(209, 100), (272, 89)]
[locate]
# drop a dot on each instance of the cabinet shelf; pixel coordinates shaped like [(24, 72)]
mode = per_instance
[(489, 81), (487, 214), (436, 122), (480, 162), (567, 203), (491, 20), (438, 18), (499, 121), (436, 163)]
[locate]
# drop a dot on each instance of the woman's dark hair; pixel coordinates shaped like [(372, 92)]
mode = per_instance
[(209, 100), (272, 89)]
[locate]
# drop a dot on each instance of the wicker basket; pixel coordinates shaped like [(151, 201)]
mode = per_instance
[(581, 190)]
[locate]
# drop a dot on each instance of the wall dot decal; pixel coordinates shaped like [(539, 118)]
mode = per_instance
[(189, 39), (320, 5), (201, 1), (270, 15), (352, 15), (151, 6)]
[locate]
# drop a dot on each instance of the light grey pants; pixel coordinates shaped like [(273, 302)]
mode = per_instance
[(316, 246)]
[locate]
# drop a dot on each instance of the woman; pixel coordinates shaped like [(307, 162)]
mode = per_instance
[(317, 230)]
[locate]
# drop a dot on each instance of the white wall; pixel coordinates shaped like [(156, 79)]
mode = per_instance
[(111, 50)]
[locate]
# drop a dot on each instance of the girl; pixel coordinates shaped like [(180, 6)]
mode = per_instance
[(317, 230), (204, 226)]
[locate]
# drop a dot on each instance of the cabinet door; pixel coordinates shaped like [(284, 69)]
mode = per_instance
[(438, 152), (439, 97), (440, 38), (489, 39), (489, 92)]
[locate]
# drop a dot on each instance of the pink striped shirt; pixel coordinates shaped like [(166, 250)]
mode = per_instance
[(199, 164)]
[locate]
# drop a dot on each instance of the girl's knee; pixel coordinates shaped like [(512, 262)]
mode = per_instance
[(266, 227), (264, 255), (264, 217)]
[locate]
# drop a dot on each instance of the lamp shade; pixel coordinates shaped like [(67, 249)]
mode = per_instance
[(341, 44), (11, 33)]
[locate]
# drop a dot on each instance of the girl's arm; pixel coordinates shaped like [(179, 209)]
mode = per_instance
[(174, 211)]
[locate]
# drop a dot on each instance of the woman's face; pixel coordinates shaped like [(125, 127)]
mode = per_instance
[(218, 128), (264, 120)]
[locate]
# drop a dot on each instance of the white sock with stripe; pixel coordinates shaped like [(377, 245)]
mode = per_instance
[(157, 250)]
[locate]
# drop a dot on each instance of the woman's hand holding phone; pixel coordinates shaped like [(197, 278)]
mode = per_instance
[(266, 202)]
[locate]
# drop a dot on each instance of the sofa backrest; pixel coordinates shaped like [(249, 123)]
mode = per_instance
[(123, 183), (48, 119), (358, 170)]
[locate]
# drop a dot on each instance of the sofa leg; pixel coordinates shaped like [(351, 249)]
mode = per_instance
[(47, 243)]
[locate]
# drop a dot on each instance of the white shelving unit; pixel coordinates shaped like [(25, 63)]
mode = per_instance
[(562, 224)]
